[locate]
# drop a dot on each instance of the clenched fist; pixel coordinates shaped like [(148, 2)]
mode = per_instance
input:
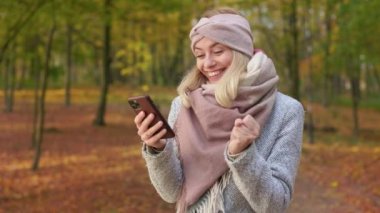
[(244, 132)]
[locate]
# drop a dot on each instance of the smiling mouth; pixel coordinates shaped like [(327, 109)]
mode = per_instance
[(213, 74)]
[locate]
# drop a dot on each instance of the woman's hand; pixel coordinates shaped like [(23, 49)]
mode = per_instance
[(244, 132), (150, 136)]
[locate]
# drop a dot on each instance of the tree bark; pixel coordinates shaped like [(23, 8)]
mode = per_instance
[(9, 81), (41, 102), (355, 95), (68, 65), (307, 22), (326, 48), (99, 120), (293, 66)]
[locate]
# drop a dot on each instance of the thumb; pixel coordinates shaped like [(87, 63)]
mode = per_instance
[(248, 119), (250, 122), (238, 122)]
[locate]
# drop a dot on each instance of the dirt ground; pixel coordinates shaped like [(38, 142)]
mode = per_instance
[(100, 169)]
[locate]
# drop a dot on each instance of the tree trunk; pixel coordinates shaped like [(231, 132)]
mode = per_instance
[(21, 81), (326, 56), (68, 66), (355, 95), (6, 82), (9, 81), (35, 66), (293, 66), (154, 67), (376, 77), (309, 83), (41, 102), (99, 120)]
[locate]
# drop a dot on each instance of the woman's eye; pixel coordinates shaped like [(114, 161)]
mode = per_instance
[(200, 56), (218, 52)]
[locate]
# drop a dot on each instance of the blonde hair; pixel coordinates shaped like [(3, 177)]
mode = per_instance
[(225, 89)]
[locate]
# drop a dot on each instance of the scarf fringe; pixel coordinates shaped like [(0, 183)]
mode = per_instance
[(214, 201)]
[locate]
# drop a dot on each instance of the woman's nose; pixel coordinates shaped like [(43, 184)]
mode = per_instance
[(209, 61)]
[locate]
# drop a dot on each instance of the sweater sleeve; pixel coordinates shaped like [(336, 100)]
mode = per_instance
[(164, 168), (267, 184)]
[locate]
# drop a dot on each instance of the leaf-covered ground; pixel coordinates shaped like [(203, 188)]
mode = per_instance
[(100, 169)]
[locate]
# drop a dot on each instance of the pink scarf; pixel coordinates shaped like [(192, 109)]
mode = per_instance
[(204, 129)]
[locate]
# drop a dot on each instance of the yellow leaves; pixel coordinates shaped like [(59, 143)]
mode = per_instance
[(145, 88), (120, 53), (127, 71), (355, 149), (334, 184), (376, 150)]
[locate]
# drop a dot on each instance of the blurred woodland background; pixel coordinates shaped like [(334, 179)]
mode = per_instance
[(67, 139)]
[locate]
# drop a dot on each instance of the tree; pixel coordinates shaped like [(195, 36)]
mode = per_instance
[(292, 55), (99, 120), (9, 80), (41, 101), (356, 45)]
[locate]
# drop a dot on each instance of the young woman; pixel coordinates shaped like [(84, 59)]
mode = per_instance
[(238, 140)]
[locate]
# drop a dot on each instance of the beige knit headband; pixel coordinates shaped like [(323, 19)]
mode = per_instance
[(231, 30)]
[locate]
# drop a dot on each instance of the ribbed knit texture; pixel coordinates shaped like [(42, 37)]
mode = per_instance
[(231, 30)]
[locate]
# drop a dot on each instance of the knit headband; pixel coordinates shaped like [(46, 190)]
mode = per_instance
[(231, 30)]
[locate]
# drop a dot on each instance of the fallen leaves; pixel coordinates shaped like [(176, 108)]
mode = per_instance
[(352, 171)]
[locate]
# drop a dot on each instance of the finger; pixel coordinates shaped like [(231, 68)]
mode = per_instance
[(238, 122), (155, 139), (139, 118), (153, 129), (250, 122), (145, 124)]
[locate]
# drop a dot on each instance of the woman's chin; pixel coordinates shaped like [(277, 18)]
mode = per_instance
[(214, 79)]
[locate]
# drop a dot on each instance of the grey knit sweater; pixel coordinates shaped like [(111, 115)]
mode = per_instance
[(262, 176)]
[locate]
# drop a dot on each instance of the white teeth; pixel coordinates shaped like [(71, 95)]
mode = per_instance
[(212, 74)]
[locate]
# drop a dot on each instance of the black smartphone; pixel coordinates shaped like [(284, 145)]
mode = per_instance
[(145, 103)]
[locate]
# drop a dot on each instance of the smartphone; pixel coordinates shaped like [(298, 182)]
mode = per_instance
[(145, 103)]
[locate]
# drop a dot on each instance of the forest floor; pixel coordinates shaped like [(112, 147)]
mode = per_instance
[(85, 168)]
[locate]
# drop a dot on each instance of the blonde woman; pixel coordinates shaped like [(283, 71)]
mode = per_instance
[(238, 140)]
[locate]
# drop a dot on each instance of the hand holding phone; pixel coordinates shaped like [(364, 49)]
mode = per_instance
[(145, 104)]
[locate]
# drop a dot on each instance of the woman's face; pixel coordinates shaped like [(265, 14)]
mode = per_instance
[(212, 58)]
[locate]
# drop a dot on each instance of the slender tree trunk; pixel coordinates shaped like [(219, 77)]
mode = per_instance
[(294, 72), (11, 91), (35, 66), (355, 95), (154, 69), (6, 81), (41, 102), (326, 56), (376, 77), (9, 81), (178, 58), (68, 66), (164, 62), (21, 79), (99, 120), (309, 83)]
